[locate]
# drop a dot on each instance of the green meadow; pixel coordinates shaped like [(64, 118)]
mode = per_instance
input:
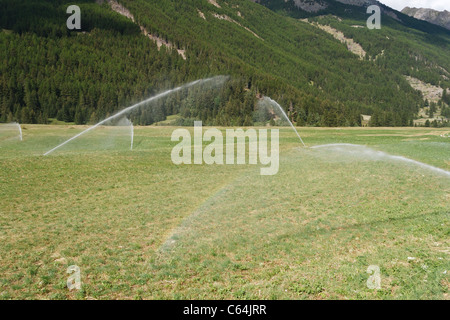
[(140, 227)]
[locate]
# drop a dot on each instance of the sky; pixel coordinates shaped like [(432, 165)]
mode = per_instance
[(433, 4)]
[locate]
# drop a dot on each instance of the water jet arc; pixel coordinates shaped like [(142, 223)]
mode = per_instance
[(20, 131), (372, 154), (273, 102), (132, 135), (126, 110)]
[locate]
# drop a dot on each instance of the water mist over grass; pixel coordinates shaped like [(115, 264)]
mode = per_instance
[(10, 130), (270, 109), (218, 80), (125, 122), (355, 152)]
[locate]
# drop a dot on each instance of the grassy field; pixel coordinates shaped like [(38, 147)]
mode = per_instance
[(140, 227)]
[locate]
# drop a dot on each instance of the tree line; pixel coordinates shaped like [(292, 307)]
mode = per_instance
[(48, 72)]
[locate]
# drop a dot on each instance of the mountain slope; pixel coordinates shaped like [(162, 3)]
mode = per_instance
[(115, 60), (440, 18), (413, 48)]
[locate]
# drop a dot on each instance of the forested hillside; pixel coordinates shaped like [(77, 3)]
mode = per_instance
[(49, 72)]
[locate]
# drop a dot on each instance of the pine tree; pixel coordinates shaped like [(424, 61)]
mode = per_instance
[(79, 118)]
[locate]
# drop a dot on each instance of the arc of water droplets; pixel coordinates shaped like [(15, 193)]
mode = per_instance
[(285, 116), (132, 135), (20, 131), (126, 110), (379, 155)]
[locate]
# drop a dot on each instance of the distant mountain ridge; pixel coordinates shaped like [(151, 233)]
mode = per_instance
[(440, 18)]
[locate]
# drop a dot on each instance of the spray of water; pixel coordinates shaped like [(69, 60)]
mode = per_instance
[(274, 103), (358, 151), (125, 122), (132, 135), (9, 128), (215, 80), (20, 131)]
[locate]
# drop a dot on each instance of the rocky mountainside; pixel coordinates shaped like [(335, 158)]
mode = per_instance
[(318, 59), (440, 18)]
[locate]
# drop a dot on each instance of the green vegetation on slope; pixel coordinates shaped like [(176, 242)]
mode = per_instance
[(49, 72)]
